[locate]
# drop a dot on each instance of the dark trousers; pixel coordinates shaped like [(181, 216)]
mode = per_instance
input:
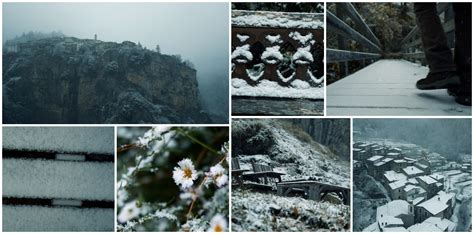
[(437, 52)]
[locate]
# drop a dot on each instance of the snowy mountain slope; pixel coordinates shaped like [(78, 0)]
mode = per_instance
[(299, 159)]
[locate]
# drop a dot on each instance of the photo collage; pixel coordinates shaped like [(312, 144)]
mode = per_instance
[(236, 116)]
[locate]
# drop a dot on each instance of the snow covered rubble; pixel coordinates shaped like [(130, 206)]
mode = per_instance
[(48, 179), (253, 211)]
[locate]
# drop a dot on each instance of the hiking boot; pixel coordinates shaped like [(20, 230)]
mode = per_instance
[(439, 80), (461, 94)]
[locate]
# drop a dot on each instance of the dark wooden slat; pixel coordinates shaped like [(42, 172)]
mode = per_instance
[(49, 202), (28, 154)]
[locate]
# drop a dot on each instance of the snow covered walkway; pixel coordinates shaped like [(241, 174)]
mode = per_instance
[(387, 87)]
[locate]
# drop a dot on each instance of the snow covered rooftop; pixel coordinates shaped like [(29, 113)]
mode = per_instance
[(437, 177), (427, 179), (422, 166), (438, 203), (397, 184), (374, 158), (412, 170), (393, 154), (394, 229), (394, 176), (434, 224), (410, 187), (272, 19), (400, 161), (394, 208)]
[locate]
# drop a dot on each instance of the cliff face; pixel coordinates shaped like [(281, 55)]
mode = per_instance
[(70, 80)]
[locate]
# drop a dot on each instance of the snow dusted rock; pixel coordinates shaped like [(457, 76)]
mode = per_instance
[(70, 80)]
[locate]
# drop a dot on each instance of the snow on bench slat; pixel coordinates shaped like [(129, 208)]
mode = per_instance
[(272, 19), (387, 87), (60, 139), (58, 179), (38, 218)]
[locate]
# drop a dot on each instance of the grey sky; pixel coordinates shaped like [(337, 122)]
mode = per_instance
[(197, 31)]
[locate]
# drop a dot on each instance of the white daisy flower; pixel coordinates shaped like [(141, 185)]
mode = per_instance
[(128, 212), (218, 224), (185, 174), (217, 173)]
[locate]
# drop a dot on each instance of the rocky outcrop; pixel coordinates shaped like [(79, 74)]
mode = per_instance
[(70, 80)]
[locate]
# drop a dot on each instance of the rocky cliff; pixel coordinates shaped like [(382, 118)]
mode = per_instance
[(70, 80)]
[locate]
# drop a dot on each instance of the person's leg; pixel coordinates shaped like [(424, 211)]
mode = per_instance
[(438, 55), (462, 53)]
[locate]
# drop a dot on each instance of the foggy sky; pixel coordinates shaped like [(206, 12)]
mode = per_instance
[(196, 31)]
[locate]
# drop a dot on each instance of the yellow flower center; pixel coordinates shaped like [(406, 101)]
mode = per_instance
[(218, 228), (187, 172)]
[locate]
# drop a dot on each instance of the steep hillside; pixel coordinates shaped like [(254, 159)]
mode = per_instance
[(288, 149), (70, 80)]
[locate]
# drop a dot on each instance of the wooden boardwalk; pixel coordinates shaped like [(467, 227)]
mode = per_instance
[(387, 87)]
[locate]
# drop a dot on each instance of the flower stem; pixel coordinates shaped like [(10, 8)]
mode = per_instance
[(198, 141)]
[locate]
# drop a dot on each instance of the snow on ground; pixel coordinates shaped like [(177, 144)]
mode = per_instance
[(253, 211), (37, 218), (273, 19), (387, 87), (60, 139), (58, 179), (268, 88), (301, 160)]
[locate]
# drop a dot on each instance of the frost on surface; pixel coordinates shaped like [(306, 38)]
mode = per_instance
[(275, 20), (65, 180), (175, 182), (303, 40), (272, 89), (58, 179), (244, 52), (272, 55), (33, 218), (274, 39), (242, 38), (303, 55), (260, 212), (60, 139)]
